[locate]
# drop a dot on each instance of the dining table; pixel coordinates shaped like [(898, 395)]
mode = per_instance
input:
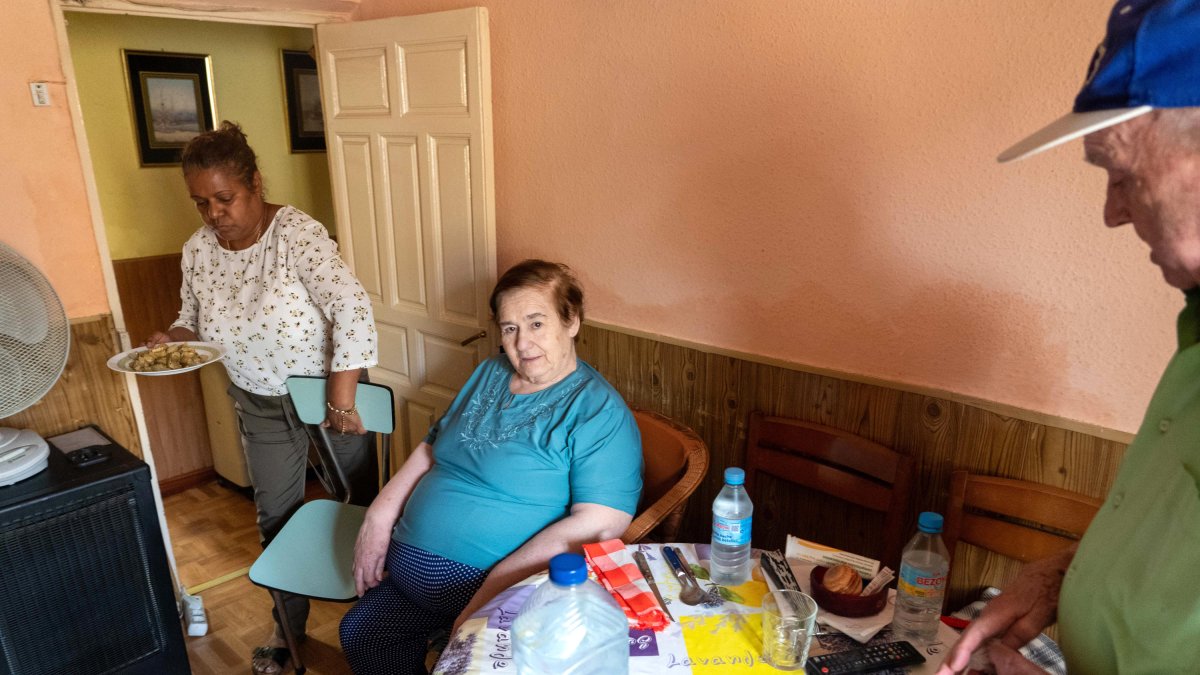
[(721, 635)]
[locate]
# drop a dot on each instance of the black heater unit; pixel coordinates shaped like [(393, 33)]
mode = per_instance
[(85, 588)]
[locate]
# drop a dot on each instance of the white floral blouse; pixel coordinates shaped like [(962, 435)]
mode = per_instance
[(288, 305)]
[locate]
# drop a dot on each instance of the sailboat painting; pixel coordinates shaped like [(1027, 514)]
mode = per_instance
[(173, 103)]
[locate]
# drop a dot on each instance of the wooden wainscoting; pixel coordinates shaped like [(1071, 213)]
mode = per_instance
[(174, 405), (87, 392), (714, 394)]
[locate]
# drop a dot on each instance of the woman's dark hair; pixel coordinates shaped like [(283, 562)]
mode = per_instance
[(224, 148), (568, 294)]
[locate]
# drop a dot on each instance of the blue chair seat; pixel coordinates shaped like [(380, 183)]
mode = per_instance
[(314, 552)]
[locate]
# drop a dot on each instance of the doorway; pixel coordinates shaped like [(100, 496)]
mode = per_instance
[(148, 216)]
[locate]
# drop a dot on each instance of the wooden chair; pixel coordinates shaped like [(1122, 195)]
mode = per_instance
[(1017, 519), (675, 461), (836, 463)]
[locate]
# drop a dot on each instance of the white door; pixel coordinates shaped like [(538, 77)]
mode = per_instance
[(408, 119)]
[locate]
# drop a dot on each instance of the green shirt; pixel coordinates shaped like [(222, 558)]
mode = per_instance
[(506, 466), (1130, 600)]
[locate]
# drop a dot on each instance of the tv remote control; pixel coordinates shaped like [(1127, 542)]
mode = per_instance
[(867, 659)]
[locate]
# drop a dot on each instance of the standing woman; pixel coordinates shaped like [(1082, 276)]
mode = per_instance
[(265, 281)]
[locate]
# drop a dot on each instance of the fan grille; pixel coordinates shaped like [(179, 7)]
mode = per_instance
[(34, 335)]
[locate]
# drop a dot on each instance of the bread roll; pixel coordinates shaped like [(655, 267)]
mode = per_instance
[(843, 579)]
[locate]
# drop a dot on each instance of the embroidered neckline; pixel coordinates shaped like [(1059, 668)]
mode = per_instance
[(484, 416)]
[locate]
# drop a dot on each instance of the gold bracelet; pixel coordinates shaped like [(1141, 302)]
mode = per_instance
[(353, 410), (342, 415)]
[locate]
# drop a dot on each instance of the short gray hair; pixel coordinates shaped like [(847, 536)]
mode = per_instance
[(1181, 125)]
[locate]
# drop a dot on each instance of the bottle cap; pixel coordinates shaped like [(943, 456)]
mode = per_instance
[(734, 476), (568, 569), (930, 522)]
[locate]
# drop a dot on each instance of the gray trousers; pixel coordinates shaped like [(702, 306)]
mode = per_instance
[(276, 444)]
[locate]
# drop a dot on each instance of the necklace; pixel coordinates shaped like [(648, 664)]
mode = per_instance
[(258, 230)]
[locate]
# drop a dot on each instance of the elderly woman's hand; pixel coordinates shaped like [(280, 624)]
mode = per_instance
[(370, 553)]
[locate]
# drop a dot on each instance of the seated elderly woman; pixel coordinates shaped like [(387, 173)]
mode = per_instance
[(537, 455)]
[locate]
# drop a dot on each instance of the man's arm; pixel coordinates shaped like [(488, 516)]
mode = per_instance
[(586, 523), (1016, 616)]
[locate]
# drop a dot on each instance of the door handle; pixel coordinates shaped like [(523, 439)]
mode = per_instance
[(478, 336)]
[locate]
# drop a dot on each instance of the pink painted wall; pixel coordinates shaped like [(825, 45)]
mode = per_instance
[(807, 181), (46, 214), (815, 182)]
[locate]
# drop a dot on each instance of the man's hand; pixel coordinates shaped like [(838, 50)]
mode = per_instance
[(1029, 604)]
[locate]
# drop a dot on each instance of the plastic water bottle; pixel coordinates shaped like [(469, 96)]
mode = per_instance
[(570, 626), (729, 562), (924, 566)]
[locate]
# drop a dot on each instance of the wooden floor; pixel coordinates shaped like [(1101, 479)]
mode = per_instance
[(213, 536)]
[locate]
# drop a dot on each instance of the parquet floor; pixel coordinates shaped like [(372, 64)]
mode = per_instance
[(213, 536)]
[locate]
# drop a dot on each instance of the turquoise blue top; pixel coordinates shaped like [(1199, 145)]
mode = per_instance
[(506, 466), (1129, 602)]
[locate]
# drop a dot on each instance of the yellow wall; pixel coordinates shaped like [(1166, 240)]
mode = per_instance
[(816, 182), (146, 209)]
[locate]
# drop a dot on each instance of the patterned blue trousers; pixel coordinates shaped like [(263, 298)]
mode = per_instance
[(387, 631)]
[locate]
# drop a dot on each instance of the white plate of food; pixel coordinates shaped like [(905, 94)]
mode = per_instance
[(171, 358)]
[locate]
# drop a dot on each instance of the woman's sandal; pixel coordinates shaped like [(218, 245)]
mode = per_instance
[(270, 660)]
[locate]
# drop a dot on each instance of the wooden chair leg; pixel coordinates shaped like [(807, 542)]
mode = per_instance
[(293, 646)]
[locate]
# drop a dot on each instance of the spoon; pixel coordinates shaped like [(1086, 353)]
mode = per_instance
[(690, 592)]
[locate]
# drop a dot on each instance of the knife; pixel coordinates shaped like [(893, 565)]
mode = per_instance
[(644, 568)]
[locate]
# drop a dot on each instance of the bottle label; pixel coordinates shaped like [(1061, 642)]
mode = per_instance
[(731, 531), (919, 584)]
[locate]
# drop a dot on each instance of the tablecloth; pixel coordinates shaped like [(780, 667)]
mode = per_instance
[(724, 636)]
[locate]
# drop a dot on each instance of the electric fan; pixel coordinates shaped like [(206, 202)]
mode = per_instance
[(34, 341)]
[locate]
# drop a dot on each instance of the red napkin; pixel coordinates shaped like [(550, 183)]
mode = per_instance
[(616, 570)]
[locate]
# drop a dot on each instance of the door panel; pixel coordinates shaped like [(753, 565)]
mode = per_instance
[(359, 80), (404, 201), (419, 418), (409, 131)]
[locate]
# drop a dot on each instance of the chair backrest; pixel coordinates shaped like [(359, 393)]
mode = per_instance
[(376, 409), (1015, 518), (836, 463), (674, 461), (375, 402)]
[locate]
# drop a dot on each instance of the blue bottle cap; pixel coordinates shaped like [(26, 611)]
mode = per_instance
[(568, 569), (734, 476), (929, 522)]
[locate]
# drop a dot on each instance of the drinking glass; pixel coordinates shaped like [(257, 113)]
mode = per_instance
[(789, 618)]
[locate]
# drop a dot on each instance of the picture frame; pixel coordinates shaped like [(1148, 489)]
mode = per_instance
[(302, 89), (172, 100)]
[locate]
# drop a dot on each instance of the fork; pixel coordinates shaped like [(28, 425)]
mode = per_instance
[(690, 592)]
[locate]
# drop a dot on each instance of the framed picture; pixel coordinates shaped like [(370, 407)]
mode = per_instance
[(172, 100), (306, 123)]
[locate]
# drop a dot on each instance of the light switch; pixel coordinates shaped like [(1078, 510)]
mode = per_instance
[(41, 94)]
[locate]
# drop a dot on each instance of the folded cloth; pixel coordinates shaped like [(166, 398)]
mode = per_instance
[(616, 570)]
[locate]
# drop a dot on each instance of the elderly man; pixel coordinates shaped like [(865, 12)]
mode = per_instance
[(1127, 598)]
